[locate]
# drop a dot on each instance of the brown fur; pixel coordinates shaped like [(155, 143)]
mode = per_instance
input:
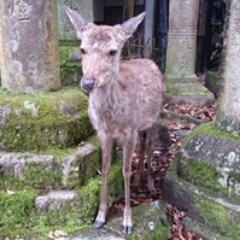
[(127, 97)]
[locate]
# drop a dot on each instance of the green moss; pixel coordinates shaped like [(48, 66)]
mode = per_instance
[(40, 177), (91, 192), (58, 153), (216, 216), (161, 232), (35, 176), (213, 212), (181, 89), (210, 129), (201, 174), (50, 127), (15, 213), (20, 218)]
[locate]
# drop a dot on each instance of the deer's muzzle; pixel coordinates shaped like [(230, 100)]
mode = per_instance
[(87, 85)]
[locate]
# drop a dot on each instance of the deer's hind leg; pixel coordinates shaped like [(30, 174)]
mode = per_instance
[(106, 147), (142, 142)]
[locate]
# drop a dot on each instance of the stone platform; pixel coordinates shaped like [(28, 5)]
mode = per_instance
[(191, 93)]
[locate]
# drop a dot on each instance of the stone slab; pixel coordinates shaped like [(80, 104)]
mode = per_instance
[(190, 93)]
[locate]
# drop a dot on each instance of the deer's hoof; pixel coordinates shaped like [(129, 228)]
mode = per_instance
[(127, 230), (98, 224)]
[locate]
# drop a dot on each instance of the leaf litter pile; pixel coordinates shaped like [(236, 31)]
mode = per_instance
[(179, 121)]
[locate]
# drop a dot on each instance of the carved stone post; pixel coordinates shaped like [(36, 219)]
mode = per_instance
[(29, 45), (229, 104), (182, 36), (182, 85)]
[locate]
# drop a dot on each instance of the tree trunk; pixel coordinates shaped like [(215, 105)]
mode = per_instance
[(229, 105)]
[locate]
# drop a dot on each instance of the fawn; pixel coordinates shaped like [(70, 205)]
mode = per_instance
[(125, 98)]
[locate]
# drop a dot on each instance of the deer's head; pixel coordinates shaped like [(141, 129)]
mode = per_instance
[(101, 48)]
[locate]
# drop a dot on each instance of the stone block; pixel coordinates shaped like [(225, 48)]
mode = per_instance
[(36, 122), (81, 166)]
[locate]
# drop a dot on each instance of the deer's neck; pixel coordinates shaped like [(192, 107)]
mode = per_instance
[(109, 96)]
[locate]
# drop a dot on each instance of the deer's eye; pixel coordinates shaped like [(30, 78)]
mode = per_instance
[(83, 51), (113, 53)]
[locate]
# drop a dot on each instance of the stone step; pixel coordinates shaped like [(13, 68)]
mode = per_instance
[(62, 168)]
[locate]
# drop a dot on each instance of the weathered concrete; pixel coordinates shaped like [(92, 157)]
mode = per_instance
[(229, 105), (181, 52), (29, 45), (84, 7)]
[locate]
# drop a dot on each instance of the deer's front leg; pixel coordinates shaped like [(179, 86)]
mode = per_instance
[(128, 149), (106, 147)]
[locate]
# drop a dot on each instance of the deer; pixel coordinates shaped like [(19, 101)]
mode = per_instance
[(124, 100)]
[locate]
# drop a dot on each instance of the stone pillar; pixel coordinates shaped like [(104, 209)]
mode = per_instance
[(66, 29), (182, 37), (29, 45), (181, 84), (229, 104)]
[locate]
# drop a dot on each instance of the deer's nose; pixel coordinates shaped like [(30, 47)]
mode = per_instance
[(87, 84)]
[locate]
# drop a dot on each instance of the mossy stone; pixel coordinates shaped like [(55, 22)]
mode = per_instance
[(216, 214), (36, 122)]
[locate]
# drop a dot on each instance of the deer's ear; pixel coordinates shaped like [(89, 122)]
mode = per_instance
[(76, 19), (130, 26)]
